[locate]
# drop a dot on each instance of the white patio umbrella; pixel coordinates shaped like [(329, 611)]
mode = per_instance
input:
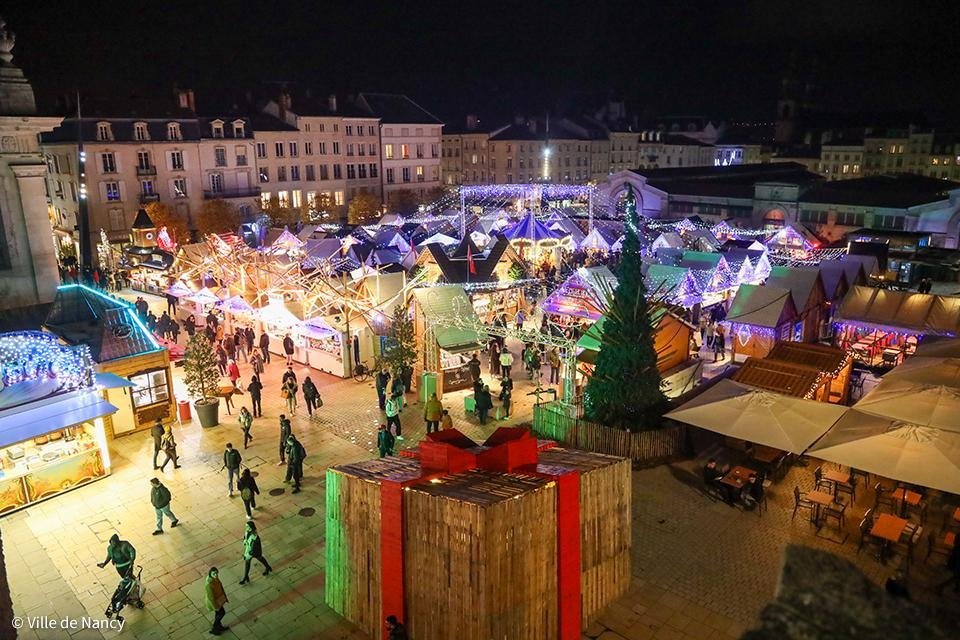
[(932, 370), (895, 449), (756, 415), (927, 405)]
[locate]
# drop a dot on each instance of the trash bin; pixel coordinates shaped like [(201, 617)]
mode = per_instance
[(428, 385), (183, 409)]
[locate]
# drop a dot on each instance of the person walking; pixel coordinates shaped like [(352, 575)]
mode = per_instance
[(122, 554), (382, 379), (484, 404), (230, 346), (506, 395), (190, 324), (286, 429), (553, 358), (397, 630), (719, 343), (494, 358), (385, 441), (251, 337), (392, 409), (156, 432), (174, 330), (160, 499), (216, 600), (295, 456), (231, 462), (506, 362), (288, 391), (256, 362), (264, 344), (521, 316), (240, 345), (221, 359), (536, 364), (245, 418), (432, 412), (474, 366), (288, 349), (172, 304), (233, 371), (169, 447), (255, 388), (253, 550), (311, 396), (249, 491)]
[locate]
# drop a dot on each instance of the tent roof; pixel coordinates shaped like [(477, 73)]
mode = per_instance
[(582, 294), (529, 228), (818, 356), (31, 419), (903, 310), (937, 348), (450, 302), (761, 306), (802, 284), (894, 449), (833, 276), (756, 415), (926, 405)]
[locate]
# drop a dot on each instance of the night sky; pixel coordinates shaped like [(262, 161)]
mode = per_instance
[(719, 59)]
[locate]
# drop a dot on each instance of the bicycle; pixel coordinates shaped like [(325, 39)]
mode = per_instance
[(361, 372)]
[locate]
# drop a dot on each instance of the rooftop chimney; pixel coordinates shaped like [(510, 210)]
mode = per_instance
[(472, 122), (185, 100), (332, 102)]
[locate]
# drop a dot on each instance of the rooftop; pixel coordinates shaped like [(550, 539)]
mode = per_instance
[(895, 191), (394, 108)]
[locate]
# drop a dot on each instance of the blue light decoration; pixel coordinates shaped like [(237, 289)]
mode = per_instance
[(35, 355), (744, 332), (131, 310)]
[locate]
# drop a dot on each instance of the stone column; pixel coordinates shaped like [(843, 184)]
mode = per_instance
[(41, 256)]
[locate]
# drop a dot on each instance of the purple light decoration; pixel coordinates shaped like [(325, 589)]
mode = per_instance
[(549, 191)]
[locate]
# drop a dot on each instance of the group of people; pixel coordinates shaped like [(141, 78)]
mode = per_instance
[(714, 337), (749, 494)]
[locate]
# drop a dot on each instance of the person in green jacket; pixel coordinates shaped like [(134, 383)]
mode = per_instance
[(432, 412), (253, 550), (216, 600), (245, 418), (160, 499), (385, 441), (295, 456), (122, 554)]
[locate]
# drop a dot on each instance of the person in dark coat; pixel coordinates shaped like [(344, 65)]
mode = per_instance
[(311, 395), (295, 456), (245, 418), (474, 366), (255, 388), (160, 499), (250, 337), (222, 359), (171, 304), (249, 491), (506, 394), (495, 358), (216, 599), (286, 429), (397, 630), (265, 346), (156, 432), (288, 348), (484, 404), (230, 347), (253, 550), (385, 441), (382, 380), (212, 320), (122, 554), (231, 462), (190, 324), (169, 446)]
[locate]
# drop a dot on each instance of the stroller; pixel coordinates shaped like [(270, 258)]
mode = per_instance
[(129, 591)]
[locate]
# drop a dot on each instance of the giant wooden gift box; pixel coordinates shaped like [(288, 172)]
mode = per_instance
[(510, 539)]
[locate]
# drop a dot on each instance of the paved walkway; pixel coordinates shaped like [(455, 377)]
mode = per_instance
[(701, 568)]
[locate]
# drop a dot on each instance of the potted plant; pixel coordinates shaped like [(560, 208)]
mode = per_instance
[(202, 379)]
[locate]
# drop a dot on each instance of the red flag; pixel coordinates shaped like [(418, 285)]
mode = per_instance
[(473, 267)]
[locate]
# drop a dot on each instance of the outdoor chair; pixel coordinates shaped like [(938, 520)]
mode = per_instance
[(883, 498), (860, 473), (866, 538), (919, 511), (800, 502), (908, 540), (849, 488), (940, 543), (836, 511), (821, 482)]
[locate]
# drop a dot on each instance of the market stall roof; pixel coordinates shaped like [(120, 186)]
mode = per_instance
[(286, 241), (178, 289), (33, 419), (756, 415), (276, 312), (761, 306), (438, 238), (592, 338), (783, 377), (450, 314), (926, 405), (317, 328), (107, 380), (886, 309), (595, 240), (894, 449), (802, 283), (236, 304), (833, 276), (819, 356), (109, 326), (936, 347), (204, 296), (668, 240), (582, 294)]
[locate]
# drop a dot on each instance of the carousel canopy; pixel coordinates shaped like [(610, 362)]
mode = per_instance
[(529, 228)]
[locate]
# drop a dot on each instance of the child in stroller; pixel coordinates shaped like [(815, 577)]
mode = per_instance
[(129, 591)]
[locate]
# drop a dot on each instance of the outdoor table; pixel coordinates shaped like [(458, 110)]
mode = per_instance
[(888, 528), (837, 476), (905, 496), (819, 499), (735, 479)]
